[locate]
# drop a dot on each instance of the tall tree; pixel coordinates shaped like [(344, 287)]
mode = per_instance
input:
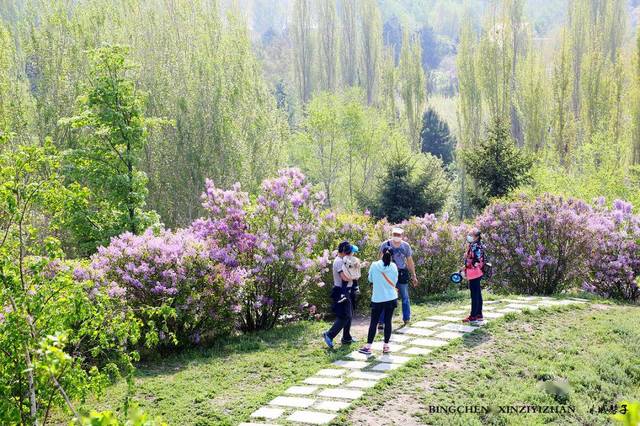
[(562, 118), (496, 165), (635, 111), (435, 137), (15, 102), (113, 134), (532, 101), (349, 42), (328, 39), (371, 31), (303, 48), (413, 88)]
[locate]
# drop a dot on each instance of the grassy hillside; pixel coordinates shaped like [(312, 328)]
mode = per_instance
[(593, 347)]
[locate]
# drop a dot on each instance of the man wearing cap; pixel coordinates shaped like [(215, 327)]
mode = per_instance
[(402, 257)]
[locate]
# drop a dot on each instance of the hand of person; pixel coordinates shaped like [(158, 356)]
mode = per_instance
[(414, 281)]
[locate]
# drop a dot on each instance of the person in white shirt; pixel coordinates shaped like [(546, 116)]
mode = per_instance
[(383, 275)]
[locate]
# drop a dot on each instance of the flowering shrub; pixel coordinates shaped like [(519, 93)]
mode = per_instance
[(355, 228), (273, 238), (615, 263), (540, 246), (173, 282), (438, 248)]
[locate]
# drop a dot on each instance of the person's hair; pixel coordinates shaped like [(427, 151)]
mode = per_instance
[(476, 233), (386, 257), (344, 247)]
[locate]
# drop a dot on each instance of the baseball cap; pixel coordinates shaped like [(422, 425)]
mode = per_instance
[(397, 230)]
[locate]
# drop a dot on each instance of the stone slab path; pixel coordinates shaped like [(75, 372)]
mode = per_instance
[(318, 399)]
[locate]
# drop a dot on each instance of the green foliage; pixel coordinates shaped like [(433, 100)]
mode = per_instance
[(342, 145), (410, 186), (60, 340), (496, 165), (106, 156), (435, 137), (135, 417)]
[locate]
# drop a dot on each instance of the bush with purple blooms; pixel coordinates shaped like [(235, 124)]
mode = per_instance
[(551, 244), (358, 230), (438, 248), (273, 238), (615, 263), (172, 281), (538, 246)]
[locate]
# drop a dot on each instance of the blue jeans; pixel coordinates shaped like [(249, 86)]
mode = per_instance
[(403, 290)]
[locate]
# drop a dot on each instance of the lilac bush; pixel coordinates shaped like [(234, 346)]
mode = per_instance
[(273, 238), (615, 263), (438, 248), (355, 228), (173, 282), (538, 246)]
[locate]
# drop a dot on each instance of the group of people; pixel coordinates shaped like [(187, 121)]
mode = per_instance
[(389, 278)]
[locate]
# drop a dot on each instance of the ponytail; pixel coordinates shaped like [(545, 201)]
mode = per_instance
[(386, 257)]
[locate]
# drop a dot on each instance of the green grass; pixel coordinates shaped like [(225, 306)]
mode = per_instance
[(584, 357), (223, 384)]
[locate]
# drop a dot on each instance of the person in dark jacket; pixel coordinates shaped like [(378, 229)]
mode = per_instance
[(473, 262), (342, 297)]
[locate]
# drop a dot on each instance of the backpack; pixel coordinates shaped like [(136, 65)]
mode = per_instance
[(352, 267), (487, 267)]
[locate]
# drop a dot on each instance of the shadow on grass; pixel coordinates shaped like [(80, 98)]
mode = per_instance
[(478, 337), (293, 335)]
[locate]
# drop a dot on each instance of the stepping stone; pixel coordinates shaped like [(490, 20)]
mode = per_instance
[(490, 302), (509, 310), (425, 324), (331, 381), (449, 335), (358, 356), (393, 359), (290, 401), (311, 417), (399, 338), (444, 318), (456, 312), (385, 366), (488, 308), (458, 327), (517, 306), (527, 297), (578, 299), (341, 393), (566, 302), (432, 343), (377, 346), (267, 413), (256, 424), (301, 390), (417, 351), (331, 405), (416, 331), (367, 375), (492, 314), (362, 384), (351, 364), (331, 372)]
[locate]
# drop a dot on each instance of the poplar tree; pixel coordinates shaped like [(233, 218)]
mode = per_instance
[(303, 48), (413, 88)]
